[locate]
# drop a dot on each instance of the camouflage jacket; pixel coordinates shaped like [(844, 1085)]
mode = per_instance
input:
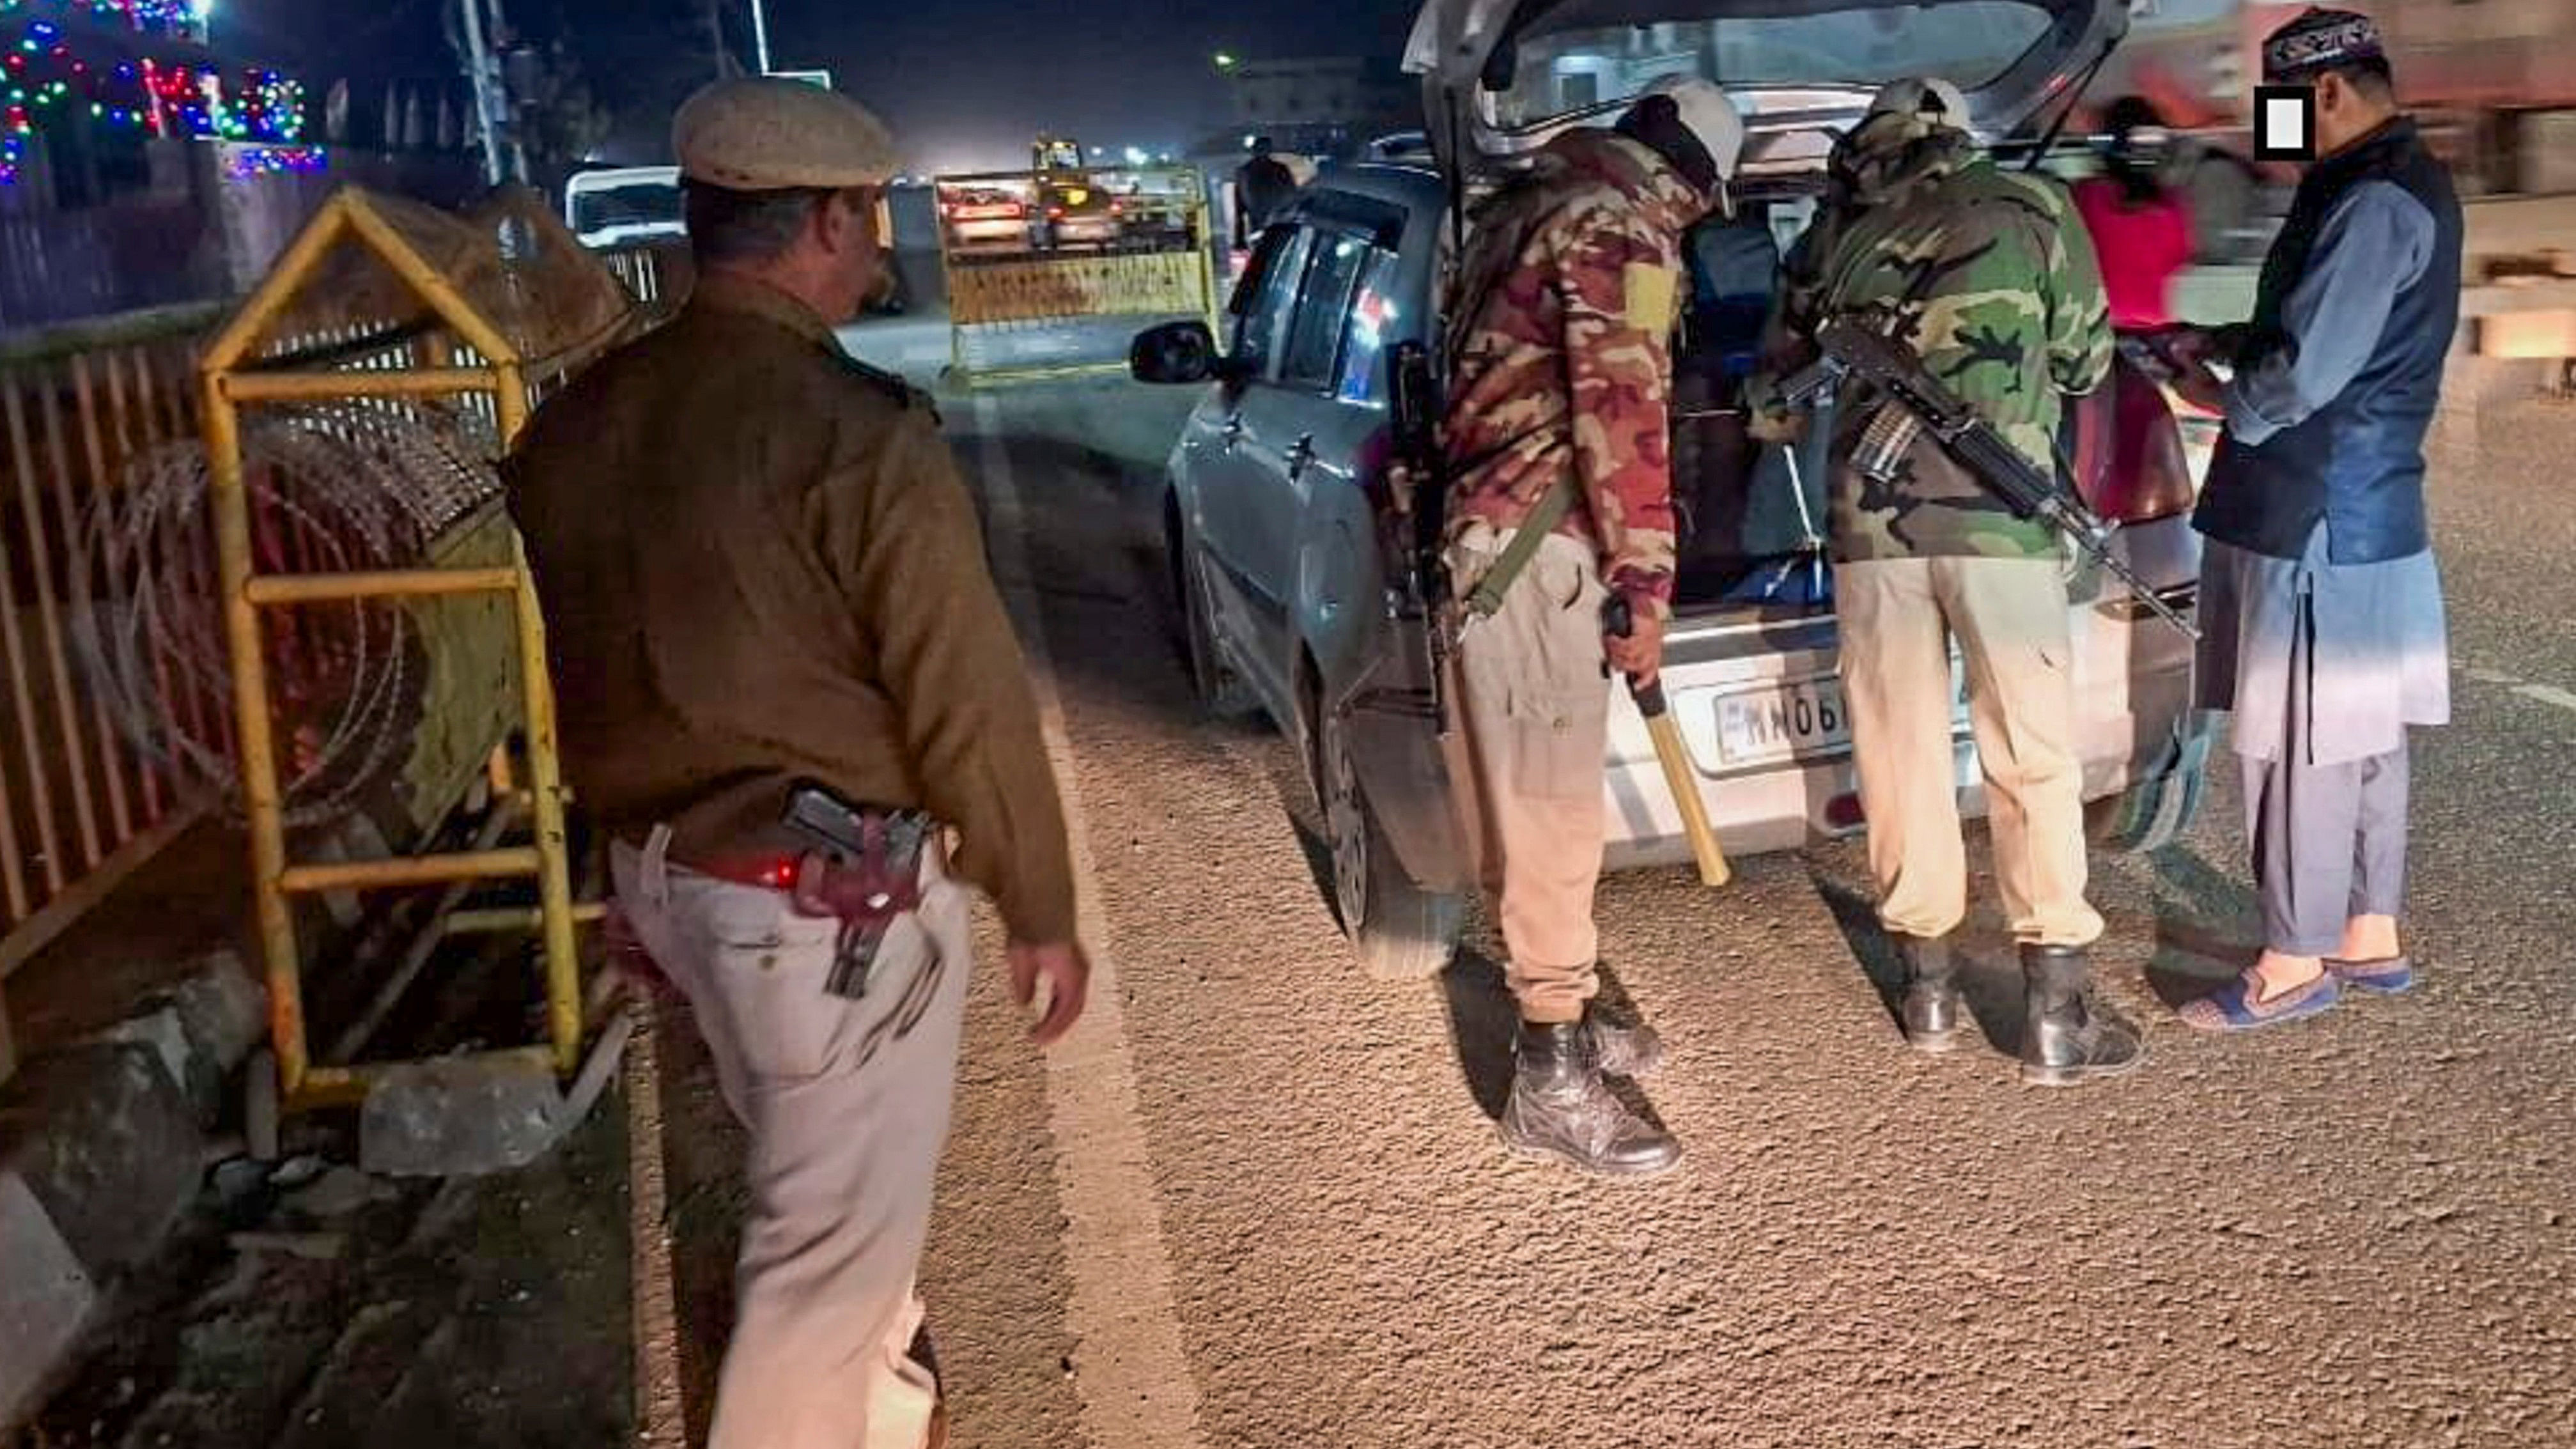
[(1560, 364), (1990, 276)]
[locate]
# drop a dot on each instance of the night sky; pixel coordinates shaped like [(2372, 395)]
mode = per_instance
[(965, 83)]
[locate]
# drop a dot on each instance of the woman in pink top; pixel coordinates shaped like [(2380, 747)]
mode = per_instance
[(2141, 228)]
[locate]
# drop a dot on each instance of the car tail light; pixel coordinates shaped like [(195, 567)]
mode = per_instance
[(1117, 208), (1843, 812), (1055, 213)]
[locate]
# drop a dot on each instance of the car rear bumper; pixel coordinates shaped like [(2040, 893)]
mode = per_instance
[(2133, 688)]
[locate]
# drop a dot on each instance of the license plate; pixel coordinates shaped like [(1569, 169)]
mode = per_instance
[(1782, 723)]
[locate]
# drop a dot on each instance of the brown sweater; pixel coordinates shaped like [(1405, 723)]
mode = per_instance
[(757, 563)]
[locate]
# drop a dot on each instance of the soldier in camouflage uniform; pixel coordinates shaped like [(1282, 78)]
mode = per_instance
[(1991, 278), (1560, 372)]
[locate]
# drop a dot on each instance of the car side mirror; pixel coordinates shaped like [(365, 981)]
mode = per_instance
[(1178, 352)]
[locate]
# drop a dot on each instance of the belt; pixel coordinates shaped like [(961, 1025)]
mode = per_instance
[(769, 871)]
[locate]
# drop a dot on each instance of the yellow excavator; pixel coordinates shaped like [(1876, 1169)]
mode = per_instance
[(1055, 153)]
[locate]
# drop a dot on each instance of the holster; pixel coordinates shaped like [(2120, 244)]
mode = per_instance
[(865, 872)]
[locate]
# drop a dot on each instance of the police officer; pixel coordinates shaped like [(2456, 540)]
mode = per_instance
[(1989, 276), (1558, 444), (2321, 604), (758, 566)]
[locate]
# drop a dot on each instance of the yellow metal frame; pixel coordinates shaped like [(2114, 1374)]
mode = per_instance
[(1210, 300), (230, 380)]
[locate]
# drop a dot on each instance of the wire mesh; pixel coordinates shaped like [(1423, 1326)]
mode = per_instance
[(345, 486)]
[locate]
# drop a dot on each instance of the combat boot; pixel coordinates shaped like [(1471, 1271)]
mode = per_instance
[(1624, 1051), (1932, 1003), (2070, 1035), (1561, 1109)]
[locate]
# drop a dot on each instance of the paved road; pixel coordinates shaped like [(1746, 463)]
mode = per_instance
[(1257, 1202), (2357, 1232)]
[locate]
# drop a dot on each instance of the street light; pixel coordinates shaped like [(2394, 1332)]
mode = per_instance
[(1225, 60)]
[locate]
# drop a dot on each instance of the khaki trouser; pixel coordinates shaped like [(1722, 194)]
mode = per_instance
[(847, 1107), (2011, 621), (1533, 726)]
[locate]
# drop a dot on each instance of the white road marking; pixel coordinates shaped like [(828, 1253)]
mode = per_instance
[(661, 1419), (1132, 1373), (2544, 693)]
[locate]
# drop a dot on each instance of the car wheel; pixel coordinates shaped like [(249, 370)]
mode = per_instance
[(2154, 813), (1400, 931), (1221, 691)]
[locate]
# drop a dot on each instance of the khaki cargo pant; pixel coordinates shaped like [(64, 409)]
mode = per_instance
[(1533, 723), (847, 1105), (2010, 616)]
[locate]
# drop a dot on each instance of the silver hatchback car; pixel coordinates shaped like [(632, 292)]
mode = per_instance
[(1289, 556)]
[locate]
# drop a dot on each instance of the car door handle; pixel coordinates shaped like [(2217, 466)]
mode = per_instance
[(1301, 453)]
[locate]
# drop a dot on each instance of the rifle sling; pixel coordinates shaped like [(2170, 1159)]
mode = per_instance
[(1486, 599)]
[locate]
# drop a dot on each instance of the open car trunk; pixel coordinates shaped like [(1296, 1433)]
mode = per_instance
[(1751, 516), (1502, 76)]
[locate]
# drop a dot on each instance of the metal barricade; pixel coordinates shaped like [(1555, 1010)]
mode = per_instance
[(1045, 273), (447, 318)]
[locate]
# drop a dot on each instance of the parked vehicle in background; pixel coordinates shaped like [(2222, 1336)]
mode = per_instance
[(1290, 553), (1079, 212), (987, 218), (625, 207)]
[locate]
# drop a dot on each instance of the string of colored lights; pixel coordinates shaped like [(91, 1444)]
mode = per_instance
[(46, 83), (185, 19), (246, 162)]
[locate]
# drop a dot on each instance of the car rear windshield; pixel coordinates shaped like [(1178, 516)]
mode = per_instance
[(1573, 66), (644, 203)]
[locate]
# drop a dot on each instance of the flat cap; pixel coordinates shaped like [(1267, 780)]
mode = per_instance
[(2320, 40), (1935, 103), (769, 134)]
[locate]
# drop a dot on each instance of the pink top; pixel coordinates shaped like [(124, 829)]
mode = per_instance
[(2141, 248)]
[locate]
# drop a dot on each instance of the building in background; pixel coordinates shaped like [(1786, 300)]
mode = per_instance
[(1352, 99)]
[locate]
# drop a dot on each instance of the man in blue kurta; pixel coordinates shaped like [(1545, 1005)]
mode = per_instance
[(2321, 603)]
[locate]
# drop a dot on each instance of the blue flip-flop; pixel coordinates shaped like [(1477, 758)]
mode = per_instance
[(2237, 1006), (2384, 977)]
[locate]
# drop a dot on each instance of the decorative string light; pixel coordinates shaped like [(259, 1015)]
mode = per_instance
[(183, 19), (47, 84), (245, 163)]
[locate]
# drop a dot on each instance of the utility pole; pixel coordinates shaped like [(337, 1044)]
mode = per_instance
[(760, 33), (510, 96), (486, 105)]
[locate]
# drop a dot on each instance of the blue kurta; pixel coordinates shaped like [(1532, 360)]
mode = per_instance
[(2376, 650)]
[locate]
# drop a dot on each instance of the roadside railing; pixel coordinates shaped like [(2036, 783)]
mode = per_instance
[(80, 805), (83, 801)]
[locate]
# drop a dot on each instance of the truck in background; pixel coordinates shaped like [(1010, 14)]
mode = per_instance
[(2494, 81)]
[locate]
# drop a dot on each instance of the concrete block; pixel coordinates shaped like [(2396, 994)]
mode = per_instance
[(108, 1144), (201, 1029), (45, 1300)]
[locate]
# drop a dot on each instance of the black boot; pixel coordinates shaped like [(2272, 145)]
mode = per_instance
[(2071, 1036), (1932, 1003), (1624, 1051), (1561, 1109)]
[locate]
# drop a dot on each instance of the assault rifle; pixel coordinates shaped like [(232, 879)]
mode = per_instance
[(1414, 412), (1895, 369)]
